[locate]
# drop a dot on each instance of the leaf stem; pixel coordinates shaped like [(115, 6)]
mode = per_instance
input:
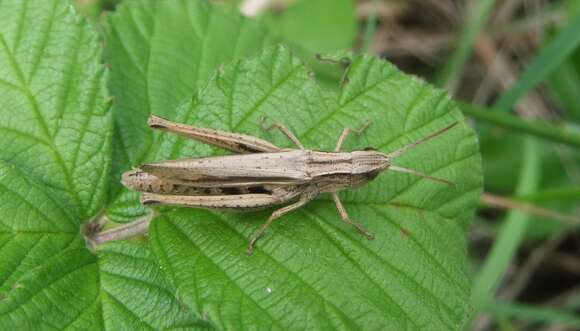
[(138, 227)]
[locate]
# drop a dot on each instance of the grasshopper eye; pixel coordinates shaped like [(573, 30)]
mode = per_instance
[(370, 149)]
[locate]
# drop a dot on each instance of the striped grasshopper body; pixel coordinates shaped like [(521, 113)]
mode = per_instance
[(260, 175)]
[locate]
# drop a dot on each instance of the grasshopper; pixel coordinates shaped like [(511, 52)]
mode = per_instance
[(261, 175)]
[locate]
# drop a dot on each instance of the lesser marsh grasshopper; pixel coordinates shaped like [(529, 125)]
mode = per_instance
[(261, 175)]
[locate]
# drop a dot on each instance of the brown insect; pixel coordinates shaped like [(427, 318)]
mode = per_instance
[(261, 175)]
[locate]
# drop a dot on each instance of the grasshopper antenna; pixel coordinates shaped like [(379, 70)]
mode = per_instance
[(404, 149), (420, 174)]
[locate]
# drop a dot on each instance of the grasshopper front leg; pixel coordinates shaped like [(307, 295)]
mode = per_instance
[(282, 129), (346, 132), (344, 216)]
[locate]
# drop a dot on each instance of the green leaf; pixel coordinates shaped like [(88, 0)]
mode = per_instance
[(119, 289), (55, 125), (34, 225), (309, 24), (55, 146), (134, 293), (48, 297), (54, 165), (160, 52), (311, 271)]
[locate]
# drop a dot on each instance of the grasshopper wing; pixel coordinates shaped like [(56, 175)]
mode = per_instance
[(287, 167)]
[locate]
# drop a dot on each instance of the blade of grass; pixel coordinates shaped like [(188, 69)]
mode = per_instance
[(534, 128), (558, 194), (573, 6), (447, 77), (564, 84), (505, 324), (551, 57), (370, 28), (533, 314), (510, 234)]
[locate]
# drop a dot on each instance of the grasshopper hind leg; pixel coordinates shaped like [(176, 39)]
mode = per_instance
[(255, 199), (231, 202), (237, 143)]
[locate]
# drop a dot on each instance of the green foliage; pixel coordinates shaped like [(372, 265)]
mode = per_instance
[(54, 168), (317, 25), (548, 60), (193, 63), (55, 125), (564, 82), (56, 130), (121, 288), (511, 233), (474, 24), (536, 128), (383, 282), (564, 318), (160, 53)]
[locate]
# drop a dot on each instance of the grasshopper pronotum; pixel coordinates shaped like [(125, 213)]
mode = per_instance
[(261, 175)]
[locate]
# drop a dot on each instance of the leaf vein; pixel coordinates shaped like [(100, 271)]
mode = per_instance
[(45, 37), (341, 107), (126, 309), (271, 91), (290, 272), (184, 235), (380, 258)]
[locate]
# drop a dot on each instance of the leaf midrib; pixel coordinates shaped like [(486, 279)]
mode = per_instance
[(41, 121)]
